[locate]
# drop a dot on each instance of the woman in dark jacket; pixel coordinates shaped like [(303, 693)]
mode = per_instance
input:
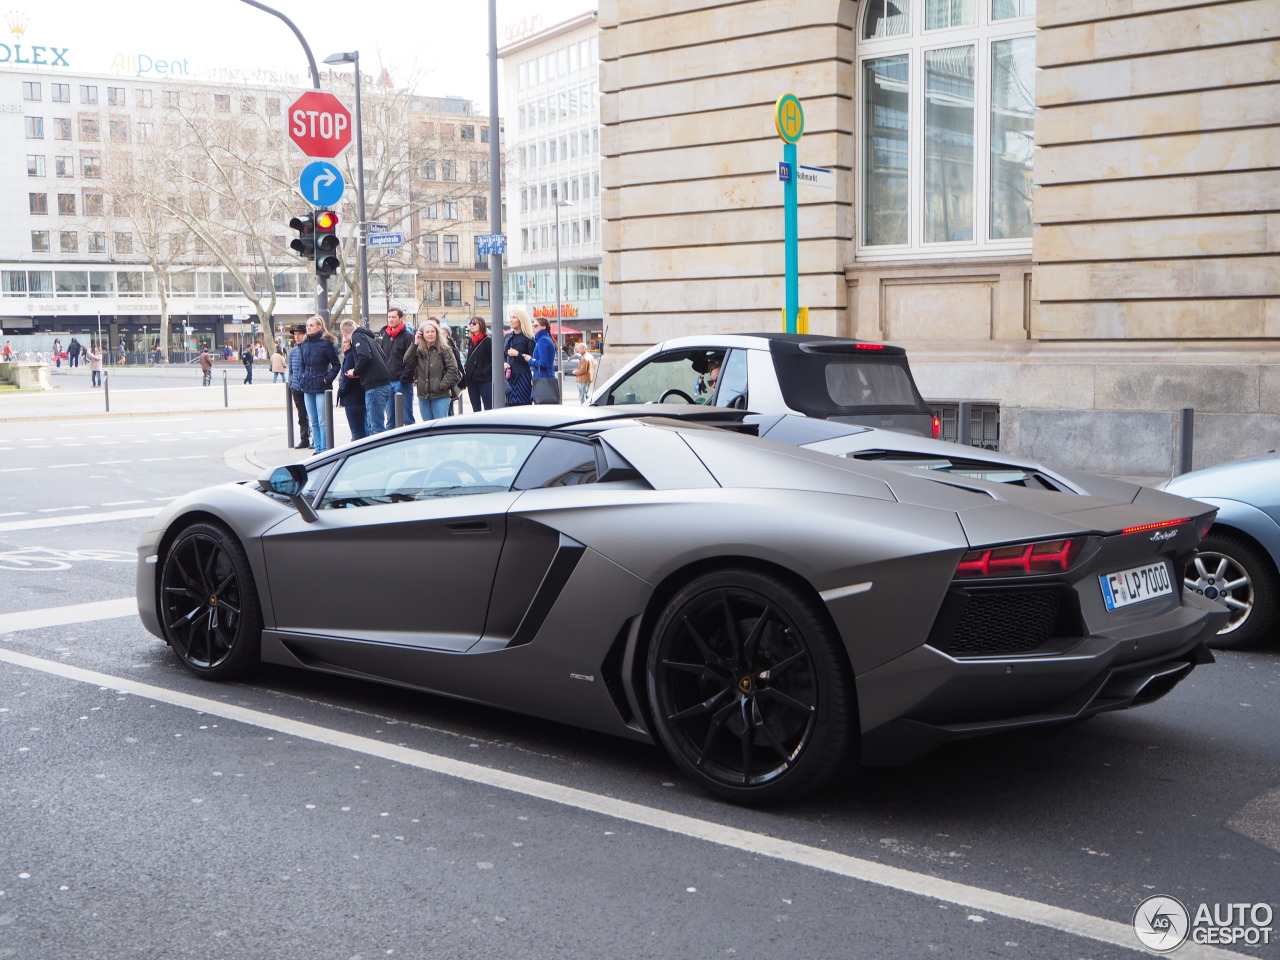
[(351, 394), (478, 371), (431, 362), (319, 362), (542, 364), (518, 348)]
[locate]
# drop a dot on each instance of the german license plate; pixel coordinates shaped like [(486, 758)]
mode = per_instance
[(1135, 585)]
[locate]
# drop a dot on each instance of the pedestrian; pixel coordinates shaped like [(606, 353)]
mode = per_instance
[(57, 354), (319, 365), (370, 368), (122, 354), (517, 347), (394, 340), (246, 357), (95, 366), (542, 364), (350, 394), (446, 332), (293, 383), (478, 370), (586, 372), (74, 349), (206, 366), (8, 353), (431, 363), (278, 366)]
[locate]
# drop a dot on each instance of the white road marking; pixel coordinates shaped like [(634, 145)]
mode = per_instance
[(15, 469), (72, 613), (60, 509), (103, 463), (122, 503), (163, 499), (14, 513), (77, 519), (757, 844), (59, 466), (153, 459)]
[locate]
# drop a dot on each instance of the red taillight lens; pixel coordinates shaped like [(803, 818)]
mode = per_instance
[(937, 427), (869, 346), (1155, 526), (1020, 559)]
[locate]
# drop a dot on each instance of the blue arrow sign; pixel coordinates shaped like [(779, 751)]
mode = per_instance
[(321, 184)]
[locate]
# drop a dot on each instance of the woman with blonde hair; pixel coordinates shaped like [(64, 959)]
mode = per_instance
[(318, 365), (518, 348), (431, 362)]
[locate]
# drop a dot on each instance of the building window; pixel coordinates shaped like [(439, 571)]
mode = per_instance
[(60, 92), (484, 134), (429, 170), (97, 242), (452, 293), (67, 204), (482, 293), (116, 96), (90, 166), (38, 204), (124, 243), (248, 104), (35, 166), (34, 127), (222, 102), (479, 208), (39, 241), (450, 248), (93, 203), (431, 249), (31, 90), (88, 94), (118, 131), (142, 97), (945, 128), (466, 132), (68, 241), (143, 130), (273, 106), (64, 166), (449, 170), (172, 99), (450, 209), (62, 128), (89, 129)]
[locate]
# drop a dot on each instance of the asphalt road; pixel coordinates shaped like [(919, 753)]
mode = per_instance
[(148, 814)]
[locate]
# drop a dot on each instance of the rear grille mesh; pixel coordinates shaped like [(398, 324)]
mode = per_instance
[(993, 624)]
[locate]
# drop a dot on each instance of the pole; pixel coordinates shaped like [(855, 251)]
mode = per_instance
[(311, 61), (364, 231), (497, 384), (559, 319), (791, 225)]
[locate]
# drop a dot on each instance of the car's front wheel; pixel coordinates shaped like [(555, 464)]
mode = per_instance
[(749, 689), (208, 604), (1237, 574)]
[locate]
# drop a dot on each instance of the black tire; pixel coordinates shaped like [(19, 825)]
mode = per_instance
[(1232, 570), (208, 604), (749, 689)]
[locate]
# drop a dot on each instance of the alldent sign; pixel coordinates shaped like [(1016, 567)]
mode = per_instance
[(142, 64)]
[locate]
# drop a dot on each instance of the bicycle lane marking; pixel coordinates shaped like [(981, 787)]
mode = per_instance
[(72, 613), (868, 871), (77, 519)]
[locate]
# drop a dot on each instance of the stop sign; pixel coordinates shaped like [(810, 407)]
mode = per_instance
[(319, 124)]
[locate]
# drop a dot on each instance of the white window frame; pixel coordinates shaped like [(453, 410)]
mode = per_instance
[(982, 34)]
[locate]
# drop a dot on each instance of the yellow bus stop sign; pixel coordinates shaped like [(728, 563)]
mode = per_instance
[(788, 117)]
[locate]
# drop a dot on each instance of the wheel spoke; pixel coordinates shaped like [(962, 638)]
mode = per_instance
[(697, 669), (782, 666), (773, 693), (731, 628), (1234, 604), (1241, 584), (772, 739), (746, 738), (752, 643), (699, 709), (713, 730)]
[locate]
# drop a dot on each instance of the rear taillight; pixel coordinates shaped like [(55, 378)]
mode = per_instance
[(1155, 526), (937, 427), (868, 346), (1020, 559)]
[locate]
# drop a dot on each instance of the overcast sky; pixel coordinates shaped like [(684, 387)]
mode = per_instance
[(443, 42)]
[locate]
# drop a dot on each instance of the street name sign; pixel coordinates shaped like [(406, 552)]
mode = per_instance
[(491, 243), (386, 239), (816, 177), (320, 124), (321, 184)]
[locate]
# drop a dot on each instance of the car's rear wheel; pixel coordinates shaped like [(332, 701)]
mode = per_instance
[(209, 608), (1234, 572), (750, 692)]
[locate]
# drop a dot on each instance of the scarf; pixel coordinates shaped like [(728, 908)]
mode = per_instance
[(476, 338), (395, 331)]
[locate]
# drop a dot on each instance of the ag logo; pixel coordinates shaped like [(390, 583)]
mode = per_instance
[(1161, 923)]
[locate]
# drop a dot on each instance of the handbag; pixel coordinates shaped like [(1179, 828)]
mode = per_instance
[(546, 390)]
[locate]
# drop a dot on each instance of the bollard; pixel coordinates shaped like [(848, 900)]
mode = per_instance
[(106, 389), (398, 399), (288, 414), (1186, 439), (328, 419), (226, 396), (964, 423)]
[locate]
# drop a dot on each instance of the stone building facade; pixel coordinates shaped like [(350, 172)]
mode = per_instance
[(1068, 209)]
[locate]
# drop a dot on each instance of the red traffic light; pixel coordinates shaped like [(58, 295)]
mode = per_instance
[(326, 220)]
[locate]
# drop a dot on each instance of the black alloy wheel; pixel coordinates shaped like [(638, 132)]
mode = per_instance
[(209, 607), (749, 688), (1231, 570)]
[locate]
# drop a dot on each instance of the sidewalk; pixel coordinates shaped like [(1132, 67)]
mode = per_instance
[(81, 404)]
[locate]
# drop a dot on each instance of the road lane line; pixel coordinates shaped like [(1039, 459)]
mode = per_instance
[(60, 509), (70, 521), (71, 613), (868, 871), (121, 503), (15, 469), (60, 466)]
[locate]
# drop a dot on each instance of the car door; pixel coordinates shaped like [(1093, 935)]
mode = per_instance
[(406, 544)]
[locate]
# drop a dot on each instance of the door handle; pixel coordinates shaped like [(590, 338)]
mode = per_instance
[(468, 526)]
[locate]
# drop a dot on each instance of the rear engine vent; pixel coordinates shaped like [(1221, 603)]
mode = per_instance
[(999, 623)]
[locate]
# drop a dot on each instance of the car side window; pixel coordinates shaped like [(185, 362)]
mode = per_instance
[(558, 462), (732, 384), (427, 468), (679, 376)]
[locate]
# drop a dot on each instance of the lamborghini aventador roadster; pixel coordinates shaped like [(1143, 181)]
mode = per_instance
[(771, 615)]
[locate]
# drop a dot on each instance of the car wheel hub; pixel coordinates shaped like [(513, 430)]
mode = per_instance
[(1218, 577)]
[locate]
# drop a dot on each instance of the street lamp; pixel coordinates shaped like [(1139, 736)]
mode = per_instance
[(559, 320), (354, 58)]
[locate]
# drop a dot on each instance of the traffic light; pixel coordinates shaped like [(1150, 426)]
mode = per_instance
[(327, 243), (305, 242)]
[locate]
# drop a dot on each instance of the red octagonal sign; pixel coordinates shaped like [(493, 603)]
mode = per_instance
[(319, 124)]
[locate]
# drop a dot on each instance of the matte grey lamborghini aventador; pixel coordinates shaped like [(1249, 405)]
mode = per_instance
[(771, 615)]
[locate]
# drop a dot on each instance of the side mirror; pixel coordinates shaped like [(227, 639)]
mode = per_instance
[(288, 481)]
